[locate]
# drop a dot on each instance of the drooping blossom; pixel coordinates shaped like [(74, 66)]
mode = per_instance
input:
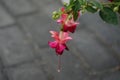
[(67, 21), (60, 41)]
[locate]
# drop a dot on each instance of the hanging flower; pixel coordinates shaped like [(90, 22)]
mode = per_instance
[(68, 23), (60, 41)]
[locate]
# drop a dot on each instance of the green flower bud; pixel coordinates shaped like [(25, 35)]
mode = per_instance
[(70, 17), (55, 12), (65, 4), (116, 9), (83, 6), (55, 16)]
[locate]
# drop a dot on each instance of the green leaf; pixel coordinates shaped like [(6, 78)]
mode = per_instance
[(71, 2), (97, 4), (75, 9), (82, 2), (108, 15), (91, 9), (75, 15), (76, 6)]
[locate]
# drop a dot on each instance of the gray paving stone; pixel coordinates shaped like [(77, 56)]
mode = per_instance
[(98, 56), (14, 47), (71, 67), (48, 5), (93, 78), (26, 72), (108, 33), (38, 26), (112, 76), (1, 76), (18, 7), (5, 18)]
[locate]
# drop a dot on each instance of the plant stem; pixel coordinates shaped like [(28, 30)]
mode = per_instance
[(111, 3)]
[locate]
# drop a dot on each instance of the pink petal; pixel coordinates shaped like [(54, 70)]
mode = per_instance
[(53, 44), (64, 17), (59, 21), (55, 35), (66, 35)]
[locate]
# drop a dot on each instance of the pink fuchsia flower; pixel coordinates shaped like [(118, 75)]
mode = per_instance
[(60, 41), (68, 23)]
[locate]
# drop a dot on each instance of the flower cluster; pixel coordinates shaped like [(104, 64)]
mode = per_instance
[(68, 25)]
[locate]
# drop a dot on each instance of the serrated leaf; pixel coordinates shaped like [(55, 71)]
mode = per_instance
[(108, 15), (91, 9)]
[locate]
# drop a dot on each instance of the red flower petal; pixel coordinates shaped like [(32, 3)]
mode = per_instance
[(60, 48)]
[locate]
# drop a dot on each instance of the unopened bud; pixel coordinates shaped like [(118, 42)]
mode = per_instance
[(116, 9), (55, 12), (56, 16), (70, 17), (65, 4)]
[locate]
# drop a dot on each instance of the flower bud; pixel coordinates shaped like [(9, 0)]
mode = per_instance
[(70, 17), (55, 12), (55, 15), (116, 9), (65, 4)]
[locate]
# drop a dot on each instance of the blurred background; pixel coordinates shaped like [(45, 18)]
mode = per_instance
[(25, 55)]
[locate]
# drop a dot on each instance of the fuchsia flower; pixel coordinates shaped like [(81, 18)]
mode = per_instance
[(60, 41), (68, 23)]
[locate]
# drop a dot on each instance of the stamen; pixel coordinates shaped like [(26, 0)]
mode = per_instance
[(59, 63)]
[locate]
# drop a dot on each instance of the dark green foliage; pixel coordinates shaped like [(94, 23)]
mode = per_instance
[(91, 9), (108, 15)]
